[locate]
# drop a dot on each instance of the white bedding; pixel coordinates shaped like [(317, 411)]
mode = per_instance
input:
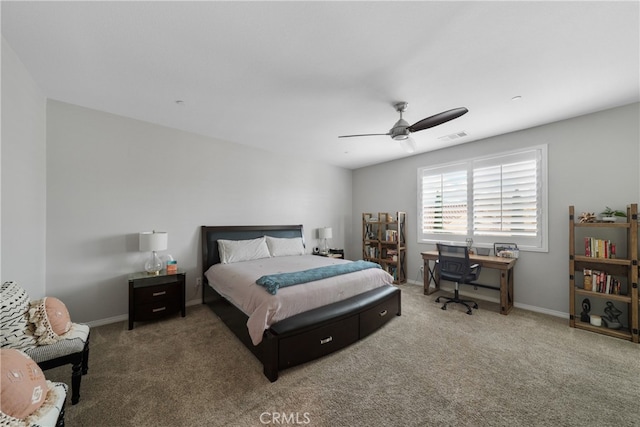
[(237, 283)]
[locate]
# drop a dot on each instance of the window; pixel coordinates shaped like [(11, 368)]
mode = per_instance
[(498, 198)]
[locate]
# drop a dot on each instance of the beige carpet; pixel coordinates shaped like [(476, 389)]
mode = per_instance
[(426, 368)]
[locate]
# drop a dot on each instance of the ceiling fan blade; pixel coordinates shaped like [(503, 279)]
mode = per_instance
[(365, 134), (437, 119)]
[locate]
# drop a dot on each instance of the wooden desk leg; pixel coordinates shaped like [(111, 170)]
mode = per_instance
[(506, 291), (510, 281), (429, 275)]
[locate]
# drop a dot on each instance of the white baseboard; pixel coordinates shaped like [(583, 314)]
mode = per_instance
[(497, 301), (124, 317), (194, 302), (108, 320)]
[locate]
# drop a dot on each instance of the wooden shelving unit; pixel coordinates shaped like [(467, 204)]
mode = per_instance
[(384, 242), (626, 268)]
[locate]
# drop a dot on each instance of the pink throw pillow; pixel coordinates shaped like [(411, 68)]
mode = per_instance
[(58, 315), (24, 387), (50, 318)]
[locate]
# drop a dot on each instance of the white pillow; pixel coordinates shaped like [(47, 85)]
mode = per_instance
[(285, 247), (242, 250)]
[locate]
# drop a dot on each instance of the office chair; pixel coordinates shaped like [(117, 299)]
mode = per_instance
[(454, 266)]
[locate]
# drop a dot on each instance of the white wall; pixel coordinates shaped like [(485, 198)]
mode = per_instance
[(23, 177), (593, 163), (110, 177)]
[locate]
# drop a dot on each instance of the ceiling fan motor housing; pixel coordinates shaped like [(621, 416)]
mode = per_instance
[(400, 130)]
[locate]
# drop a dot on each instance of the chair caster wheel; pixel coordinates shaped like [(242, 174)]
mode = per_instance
[(469, 312), (444, 307), (438, 299), (475, 306)]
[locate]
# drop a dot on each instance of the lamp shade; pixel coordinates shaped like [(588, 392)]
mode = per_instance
[(153, 241), (325, 233)]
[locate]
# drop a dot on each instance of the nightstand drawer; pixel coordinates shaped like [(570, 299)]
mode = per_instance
[(156, 309), (150, 294)]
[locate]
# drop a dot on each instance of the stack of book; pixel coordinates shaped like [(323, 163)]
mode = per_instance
[(601, 282), (391, 236), (371, 251), (599, 248)]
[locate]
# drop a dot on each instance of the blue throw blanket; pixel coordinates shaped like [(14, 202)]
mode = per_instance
[(273, 282)]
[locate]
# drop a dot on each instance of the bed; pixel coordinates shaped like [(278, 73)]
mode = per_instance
[(300, 337)]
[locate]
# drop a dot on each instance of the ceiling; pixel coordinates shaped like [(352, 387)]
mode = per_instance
[(289, 77)]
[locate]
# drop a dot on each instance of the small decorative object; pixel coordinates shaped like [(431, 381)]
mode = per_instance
[(610, 319), (587, 217), (595, 320), (610, 215), (469, 241), (171, 265), (586, 308)]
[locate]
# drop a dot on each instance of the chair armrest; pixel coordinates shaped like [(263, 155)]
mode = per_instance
[(475, 270)]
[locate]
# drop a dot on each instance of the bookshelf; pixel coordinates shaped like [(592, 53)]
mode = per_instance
[(604, 270), (384, 242)]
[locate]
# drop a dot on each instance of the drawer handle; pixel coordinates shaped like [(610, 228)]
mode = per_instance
[(155, 310), (326, 340), (383, 313), (157, 294)]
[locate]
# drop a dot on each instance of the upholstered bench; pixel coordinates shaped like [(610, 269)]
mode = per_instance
[(34, 328)]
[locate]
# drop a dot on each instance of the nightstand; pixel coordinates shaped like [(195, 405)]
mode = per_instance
[(333, 253), (153, 297)]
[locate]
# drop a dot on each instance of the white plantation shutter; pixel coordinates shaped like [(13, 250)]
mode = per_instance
[(492, 199), (444, 200), (505, 196)]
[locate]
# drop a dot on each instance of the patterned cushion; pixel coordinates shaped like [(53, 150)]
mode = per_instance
[(14, 312), (50, 318), (73, 342), (24, 387)]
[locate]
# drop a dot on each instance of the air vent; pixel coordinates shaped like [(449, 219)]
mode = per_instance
[(453, 136)]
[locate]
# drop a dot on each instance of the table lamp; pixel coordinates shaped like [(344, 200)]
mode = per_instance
[(325, 233), (153, 241)]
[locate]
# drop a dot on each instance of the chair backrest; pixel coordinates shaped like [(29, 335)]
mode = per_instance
[(453, 262)]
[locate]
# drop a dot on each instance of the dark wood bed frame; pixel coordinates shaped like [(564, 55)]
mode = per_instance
[(305, 336)]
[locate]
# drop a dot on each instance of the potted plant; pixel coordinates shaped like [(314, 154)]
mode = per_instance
[(610, 215)]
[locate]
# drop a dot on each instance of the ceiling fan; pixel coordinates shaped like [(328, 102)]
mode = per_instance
[(401, 129)]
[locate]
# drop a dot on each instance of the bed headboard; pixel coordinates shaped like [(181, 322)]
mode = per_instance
[(211, 234)]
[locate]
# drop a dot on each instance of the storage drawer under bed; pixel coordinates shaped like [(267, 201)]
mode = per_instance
[(318, 342), (373, 318)]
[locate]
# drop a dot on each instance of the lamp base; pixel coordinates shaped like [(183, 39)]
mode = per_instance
[(153, 265)]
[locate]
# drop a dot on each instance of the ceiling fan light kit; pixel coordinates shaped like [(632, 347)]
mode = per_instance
[(408, 145), (401, 130)]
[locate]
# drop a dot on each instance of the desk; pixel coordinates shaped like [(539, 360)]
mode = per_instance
[(505, 265)]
